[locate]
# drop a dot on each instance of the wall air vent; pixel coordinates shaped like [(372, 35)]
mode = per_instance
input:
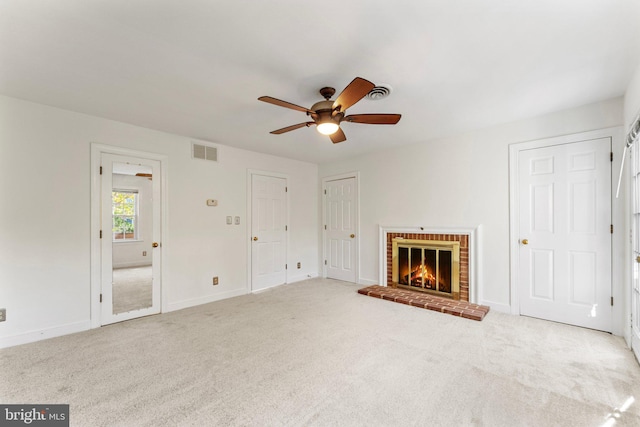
[(204, 152)]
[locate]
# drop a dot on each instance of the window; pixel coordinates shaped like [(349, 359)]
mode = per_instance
[(125, 215), (635, 301), (633, 140)]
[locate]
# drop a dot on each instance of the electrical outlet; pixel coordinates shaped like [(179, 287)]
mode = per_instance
[(299, 265), (3, 314), (215, 280), (144, 253)]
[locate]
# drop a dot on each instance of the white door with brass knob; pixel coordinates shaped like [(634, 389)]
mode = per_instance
[(564, 255), (268, 231), (341, 244)]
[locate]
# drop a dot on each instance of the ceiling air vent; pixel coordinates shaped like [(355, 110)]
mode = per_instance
[(379, 92), (204, 152)]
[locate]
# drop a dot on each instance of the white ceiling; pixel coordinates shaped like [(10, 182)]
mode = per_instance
[(196, 67)]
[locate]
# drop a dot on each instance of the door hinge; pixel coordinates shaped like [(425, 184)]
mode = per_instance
[(611, 156), (325, 191), (611, 228), (285, 266), (100, 170), (325, 262), (611, 300), (286, 228), (101, 234), (325, 227), (286, 189), (100, 297)]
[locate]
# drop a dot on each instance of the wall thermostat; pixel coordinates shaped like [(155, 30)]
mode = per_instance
[(212, 202)]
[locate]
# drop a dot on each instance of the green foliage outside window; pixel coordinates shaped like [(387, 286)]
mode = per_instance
[(124, 204)]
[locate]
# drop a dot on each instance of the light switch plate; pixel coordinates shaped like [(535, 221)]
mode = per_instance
[(229, 220), (237, 220), (212, 202)]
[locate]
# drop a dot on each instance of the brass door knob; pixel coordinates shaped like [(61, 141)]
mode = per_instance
[(352, 236), (154, 245), (638, 259), (255, 239), (524, 241)]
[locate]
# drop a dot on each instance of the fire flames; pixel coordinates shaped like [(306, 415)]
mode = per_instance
[(415, 279), (417, 275)]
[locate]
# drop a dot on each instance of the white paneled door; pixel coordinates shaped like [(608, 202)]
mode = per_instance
[(341, 227), (564, 271), (268, 231)]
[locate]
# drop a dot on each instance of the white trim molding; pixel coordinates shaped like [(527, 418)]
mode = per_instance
[(43, 334), (475, 253)]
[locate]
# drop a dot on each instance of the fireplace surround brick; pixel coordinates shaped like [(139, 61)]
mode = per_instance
[(463, 239)]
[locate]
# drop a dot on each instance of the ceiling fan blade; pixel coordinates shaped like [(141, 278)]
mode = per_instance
[(338, 136), (281, 103), (292, 127), (373, 119), (354, 92)]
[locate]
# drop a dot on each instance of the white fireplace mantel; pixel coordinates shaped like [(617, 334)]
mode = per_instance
[(475, 252)]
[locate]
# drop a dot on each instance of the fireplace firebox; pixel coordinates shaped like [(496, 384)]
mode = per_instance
[(427, 266)]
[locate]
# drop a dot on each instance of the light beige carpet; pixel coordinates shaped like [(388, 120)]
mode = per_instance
[(132, 289), (319, 353)]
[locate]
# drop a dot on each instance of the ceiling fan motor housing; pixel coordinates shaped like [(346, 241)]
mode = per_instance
[(323, 112)]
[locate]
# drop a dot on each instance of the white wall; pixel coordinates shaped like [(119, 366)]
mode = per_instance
[(632, 99), (45, 178), (460, 181)]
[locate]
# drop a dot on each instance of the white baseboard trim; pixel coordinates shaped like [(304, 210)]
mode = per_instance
[(368, 282), (502, 308), (179, 305), (132, 264), (43, 334), (257, 291), (302, 277)]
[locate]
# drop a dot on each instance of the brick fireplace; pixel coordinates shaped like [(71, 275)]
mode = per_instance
[(461, 239)]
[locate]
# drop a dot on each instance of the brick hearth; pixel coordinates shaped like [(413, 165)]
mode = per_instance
[(430, 302)]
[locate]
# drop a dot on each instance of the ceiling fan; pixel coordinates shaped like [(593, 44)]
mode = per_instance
[(327, 115)]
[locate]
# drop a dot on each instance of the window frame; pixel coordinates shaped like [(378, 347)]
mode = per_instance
[(635, 240), (134, 217)]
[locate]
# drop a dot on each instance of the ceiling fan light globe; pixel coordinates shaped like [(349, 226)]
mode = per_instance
[(327, 128)]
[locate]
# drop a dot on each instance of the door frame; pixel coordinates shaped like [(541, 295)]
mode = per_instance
[(97, 150), (618, 246), (250, 173), (325, 180)]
